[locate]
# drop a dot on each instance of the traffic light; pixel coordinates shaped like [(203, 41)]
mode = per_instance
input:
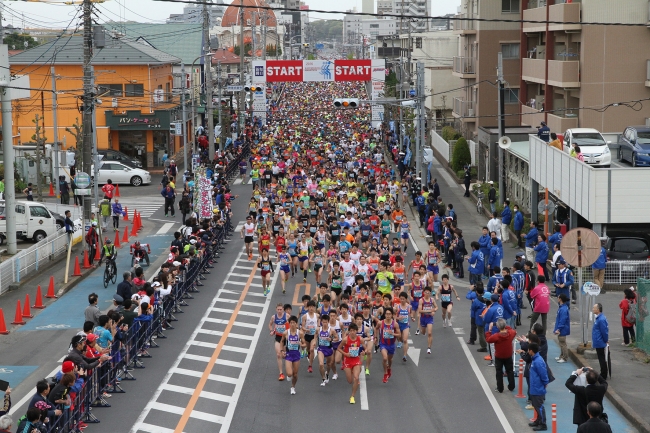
[(305, 45), (253, 88), (346, 103)]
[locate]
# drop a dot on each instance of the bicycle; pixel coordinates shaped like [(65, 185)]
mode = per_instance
[(110, 272), (479, 203)]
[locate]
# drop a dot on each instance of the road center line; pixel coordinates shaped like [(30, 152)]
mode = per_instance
[(486, 389), (363, 391), (180, 427)]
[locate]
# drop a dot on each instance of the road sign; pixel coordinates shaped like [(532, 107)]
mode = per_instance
[(541, 206), (412, 92), (234, 88), (580, 247), (82, 180), (320, 46), (591, 289), (83, 191), (179, 129)]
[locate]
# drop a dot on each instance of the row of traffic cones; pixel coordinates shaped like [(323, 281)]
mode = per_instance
[(23, 313)]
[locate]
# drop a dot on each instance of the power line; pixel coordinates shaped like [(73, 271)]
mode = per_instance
[(416, 17)]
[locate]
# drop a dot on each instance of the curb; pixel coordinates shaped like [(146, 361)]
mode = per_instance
[(630, 414)]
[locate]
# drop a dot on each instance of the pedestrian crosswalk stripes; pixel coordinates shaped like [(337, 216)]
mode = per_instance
[(145, 207), (219, 331)]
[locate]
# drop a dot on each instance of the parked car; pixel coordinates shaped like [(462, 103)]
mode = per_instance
[(627, 248), (33, 221), (634, 146), (593, 146), (114, 155), (120, 173)]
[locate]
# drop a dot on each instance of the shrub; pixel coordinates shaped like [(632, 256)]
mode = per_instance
[(449, 134), (461, 156)]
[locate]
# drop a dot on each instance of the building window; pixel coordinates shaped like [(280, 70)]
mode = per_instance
[(510, 6), (510, 51), (134, 90), (374, 26), (512, 96), (112, 89)]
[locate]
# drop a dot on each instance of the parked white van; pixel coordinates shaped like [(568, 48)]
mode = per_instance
[(33, 221)]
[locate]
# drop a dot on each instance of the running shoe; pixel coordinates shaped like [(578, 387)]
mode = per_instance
[(281, 377), (352, 400), (304, 280), (336, 376), (310, 370), (310, 271), (284, 291), (444, 323), (367, 372), (491, 364), (561, 361), (557, 358), (106, 395), (529, 407), (323, 383), (487, 358), (417, 332), (385, 378), (250, 257), (404, 358), (293, 391), (390, 372), (399, 344), (429, 351), (327, 381)]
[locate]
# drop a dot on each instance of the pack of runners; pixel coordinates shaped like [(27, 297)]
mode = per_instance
[(324, 201)]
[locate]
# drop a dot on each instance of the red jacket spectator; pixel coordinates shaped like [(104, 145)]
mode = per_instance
[(625, 305), (502, 342)]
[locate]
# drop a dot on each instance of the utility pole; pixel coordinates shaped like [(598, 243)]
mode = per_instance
[(221, 123), (8, 148), (88, 99), (253, 34), (502, 128), (421, 107), (207, 63), (56, 132), (264, 29), (241, 111), (184, 128)]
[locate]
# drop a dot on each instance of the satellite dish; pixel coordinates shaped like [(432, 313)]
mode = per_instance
[(504, 142)]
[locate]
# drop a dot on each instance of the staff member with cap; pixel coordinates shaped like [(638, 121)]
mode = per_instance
[(563, 280), (544, 132)]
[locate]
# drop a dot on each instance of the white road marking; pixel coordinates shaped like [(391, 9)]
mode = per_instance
[(215, 377), (414, 353), (486, 389), (363, 391), (165, 228), (459, 331), (154, 428), (237, 181)]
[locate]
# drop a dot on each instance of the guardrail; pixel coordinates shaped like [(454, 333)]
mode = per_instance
[(621, 272), (13, 270)]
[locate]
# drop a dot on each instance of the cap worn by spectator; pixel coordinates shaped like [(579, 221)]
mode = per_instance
[(491, 182), (561, 262), (176, 263), (193, 241), (91, 337), (156, 284), (67, 367), (494, 298), (118, 299)]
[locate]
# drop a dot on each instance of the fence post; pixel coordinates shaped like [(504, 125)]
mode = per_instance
[(36, 258), (620, 274), (17, 269)]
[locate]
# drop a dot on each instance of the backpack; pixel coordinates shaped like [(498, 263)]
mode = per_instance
[(630, 317)]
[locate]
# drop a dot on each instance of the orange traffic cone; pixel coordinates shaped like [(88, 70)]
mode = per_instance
[(134, 230), (117, 190), (77, 269), (98, 255), (125, 238), (139, 221), (126, 213), (26, 311), (39, 299), (50, 288), (135, 220), (86, 260), (534, 418), (51, 190), (18, 320), (3, 326), (117, 239)]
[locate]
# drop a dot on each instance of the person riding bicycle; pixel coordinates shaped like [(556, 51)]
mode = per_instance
[(140, 251), (108, 251)]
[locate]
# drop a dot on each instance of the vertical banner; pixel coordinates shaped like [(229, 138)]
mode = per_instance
[(378, 77), (259, 105), (202, 194), (259, 72)]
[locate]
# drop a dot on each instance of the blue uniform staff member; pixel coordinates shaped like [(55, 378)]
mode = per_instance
[(600, 338), (538, 381), (544, 132), (563, 280)]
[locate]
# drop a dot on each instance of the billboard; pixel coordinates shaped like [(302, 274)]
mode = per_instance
[(269, 71)]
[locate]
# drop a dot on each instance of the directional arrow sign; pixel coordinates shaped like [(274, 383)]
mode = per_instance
[(414, 353)]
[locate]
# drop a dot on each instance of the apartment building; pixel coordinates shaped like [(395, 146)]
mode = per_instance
[(567, 65), (475, 66), (411, 8)]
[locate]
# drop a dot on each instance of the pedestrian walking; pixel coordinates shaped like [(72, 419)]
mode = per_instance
[(467, 180), (600, 338), (594, 389), (69, 225), (562, 327), (628, 316), (117, 213), (170, 196), (64, 190), (503, 351), (531, 241), (108, 190), (105, 211), (92, 239), (538, 381)]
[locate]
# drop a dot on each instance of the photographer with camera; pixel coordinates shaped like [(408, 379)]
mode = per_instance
[(587, 386)]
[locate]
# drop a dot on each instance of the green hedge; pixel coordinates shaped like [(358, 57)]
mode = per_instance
[(461, 156), (449, 134)]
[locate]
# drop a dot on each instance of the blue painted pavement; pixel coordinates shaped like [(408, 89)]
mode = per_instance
[(14, 374)]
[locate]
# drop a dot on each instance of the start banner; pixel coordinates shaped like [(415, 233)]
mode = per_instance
[(269, 71)]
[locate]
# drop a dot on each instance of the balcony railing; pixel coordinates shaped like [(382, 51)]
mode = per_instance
[(561, 14), (463, 108), (464, 67), (463, 26), (560, 73)]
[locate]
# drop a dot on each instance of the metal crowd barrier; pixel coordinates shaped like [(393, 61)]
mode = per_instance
[(135, 346)]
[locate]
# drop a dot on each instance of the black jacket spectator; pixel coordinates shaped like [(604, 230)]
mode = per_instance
[(124, 289), (81, 361), (595, 425), (584, 395)]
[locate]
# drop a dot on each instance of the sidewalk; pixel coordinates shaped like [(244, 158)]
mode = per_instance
[(627, 396)]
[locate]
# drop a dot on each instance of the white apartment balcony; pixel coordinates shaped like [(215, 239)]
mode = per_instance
[(464, 109), (464, 67), (464, 27)]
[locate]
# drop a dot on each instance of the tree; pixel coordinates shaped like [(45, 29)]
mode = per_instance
[(461, 156), (39, 140), (77, 133), (16, 41)]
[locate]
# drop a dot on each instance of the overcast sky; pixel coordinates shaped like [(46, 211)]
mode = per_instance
[(44, 15)]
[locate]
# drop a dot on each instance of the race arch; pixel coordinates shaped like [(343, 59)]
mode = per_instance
[(367, 70)]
